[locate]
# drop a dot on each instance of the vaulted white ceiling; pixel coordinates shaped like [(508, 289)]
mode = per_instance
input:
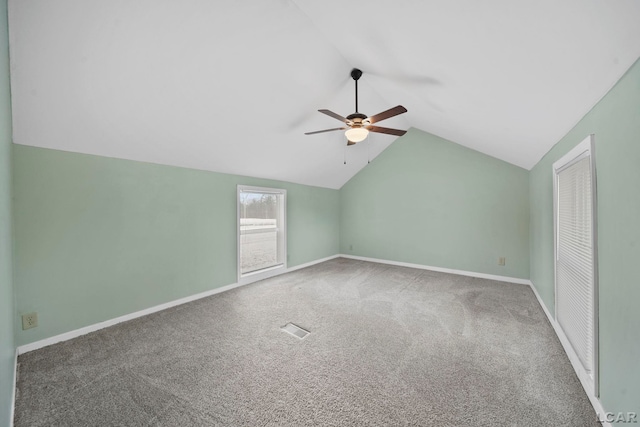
[(231, 86)]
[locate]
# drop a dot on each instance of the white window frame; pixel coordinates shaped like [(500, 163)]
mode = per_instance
[(585, 149), (254, 276)]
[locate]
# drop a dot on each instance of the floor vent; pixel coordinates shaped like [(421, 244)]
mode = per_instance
[(294, 330)]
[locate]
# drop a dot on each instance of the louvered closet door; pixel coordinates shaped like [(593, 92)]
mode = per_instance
[(574, 263)]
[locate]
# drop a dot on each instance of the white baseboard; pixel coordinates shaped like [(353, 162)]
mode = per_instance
[(441, 270), (309, 264), (15, 385), (97, 326), (573, 358), (276, 271)]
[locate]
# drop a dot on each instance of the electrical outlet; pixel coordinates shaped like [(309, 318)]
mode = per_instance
[(29, 321), (502, 261)]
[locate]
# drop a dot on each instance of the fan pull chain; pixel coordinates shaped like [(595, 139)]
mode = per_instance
[(345, 154), (369, 151)]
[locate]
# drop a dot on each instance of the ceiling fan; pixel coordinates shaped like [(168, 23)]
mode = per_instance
[(358, 125)]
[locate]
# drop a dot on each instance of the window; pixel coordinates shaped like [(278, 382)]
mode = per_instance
[(576, 288), (261, 232)]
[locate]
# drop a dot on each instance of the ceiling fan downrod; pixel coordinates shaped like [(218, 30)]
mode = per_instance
[(355, 75)]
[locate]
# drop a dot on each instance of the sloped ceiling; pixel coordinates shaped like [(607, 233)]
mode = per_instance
[(231, 86)]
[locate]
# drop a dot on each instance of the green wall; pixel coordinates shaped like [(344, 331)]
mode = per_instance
[(7, 344), (426, 200), (97, 238), (615, 121)]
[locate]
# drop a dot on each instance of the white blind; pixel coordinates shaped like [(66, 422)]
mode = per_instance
[(574, 264)]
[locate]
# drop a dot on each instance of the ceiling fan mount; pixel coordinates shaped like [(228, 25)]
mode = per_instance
[(359, 125)]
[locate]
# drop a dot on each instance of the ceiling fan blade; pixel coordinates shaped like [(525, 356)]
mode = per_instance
[(387, 114), (325, 130), (334, 115), (350, 142), (388, 131)]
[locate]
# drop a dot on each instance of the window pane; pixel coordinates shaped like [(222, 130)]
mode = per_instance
[(259, 228)]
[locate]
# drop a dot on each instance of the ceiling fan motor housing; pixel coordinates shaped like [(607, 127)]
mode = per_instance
[(358, 120)]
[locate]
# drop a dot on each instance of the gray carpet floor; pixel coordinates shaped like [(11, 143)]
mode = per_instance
[(389, 346)]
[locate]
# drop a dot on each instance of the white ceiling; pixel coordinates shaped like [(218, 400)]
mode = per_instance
[(231, 86)]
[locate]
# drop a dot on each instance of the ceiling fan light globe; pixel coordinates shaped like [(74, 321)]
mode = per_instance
[(356, 134)]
